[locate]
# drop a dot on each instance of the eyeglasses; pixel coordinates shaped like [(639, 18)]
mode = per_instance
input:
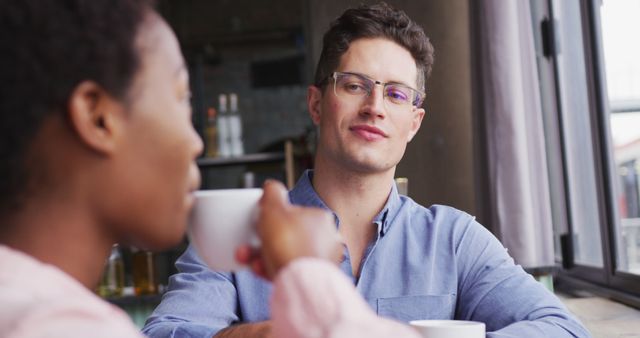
[(358, 86)]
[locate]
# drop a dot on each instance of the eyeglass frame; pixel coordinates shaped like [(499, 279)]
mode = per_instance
[(335, 74)]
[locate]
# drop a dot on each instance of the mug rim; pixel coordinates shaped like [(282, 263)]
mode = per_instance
[(445, 322), (226, 192)]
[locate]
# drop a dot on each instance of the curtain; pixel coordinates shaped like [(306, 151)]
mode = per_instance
[(509, 119)]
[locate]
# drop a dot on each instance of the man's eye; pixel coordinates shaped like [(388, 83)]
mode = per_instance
[(397, 95), (354, 87)]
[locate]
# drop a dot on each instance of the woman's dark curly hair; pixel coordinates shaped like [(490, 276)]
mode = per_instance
[(47, 47), (374, 21)]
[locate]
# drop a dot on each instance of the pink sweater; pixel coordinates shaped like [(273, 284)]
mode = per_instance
[(311, 299), (39, 300)]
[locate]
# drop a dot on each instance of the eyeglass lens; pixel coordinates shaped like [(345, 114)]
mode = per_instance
[(354, 85)]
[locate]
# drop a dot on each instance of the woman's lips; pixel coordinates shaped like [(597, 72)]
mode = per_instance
[(369, 133), (189, 200), (190, 197)]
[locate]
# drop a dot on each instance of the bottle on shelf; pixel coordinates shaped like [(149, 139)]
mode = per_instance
[(112, 282), (143, 272), (224, 134), (249, 180), (211, 133), (402, 183), (235, 126)]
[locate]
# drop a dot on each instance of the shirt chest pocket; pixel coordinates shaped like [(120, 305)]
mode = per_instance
[(407, 308)]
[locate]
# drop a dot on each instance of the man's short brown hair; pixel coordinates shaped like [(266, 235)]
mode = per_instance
[(374, 21)]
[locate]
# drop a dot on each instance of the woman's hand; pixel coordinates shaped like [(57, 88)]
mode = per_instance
[(288, 232)]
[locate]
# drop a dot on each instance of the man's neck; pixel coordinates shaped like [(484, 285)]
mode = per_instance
[(354, 197), (61, 236)]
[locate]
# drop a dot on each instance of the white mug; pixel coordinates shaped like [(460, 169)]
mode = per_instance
[(220, 222), (449, 328)]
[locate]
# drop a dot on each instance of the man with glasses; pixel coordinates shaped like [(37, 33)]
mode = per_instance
[(408, 262)]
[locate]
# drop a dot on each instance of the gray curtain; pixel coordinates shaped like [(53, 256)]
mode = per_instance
[(507, 101)]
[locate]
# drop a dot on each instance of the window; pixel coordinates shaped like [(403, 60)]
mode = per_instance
[(574, 108), (589, 69), (622, 66)]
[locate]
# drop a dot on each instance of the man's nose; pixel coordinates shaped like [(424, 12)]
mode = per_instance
[(374, 104)]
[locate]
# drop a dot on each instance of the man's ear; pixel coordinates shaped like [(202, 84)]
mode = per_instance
[(416, 122), (314, 100), (93, 115)]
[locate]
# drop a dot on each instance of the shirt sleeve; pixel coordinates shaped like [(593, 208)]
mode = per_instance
[(494, 290), (199, 302), (313, 299)]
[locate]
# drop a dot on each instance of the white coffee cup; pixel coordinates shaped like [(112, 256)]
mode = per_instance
[(220, 222), (449, 328)]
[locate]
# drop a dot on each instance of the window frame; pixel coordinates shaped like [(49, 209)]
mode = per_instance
[(617, 284)]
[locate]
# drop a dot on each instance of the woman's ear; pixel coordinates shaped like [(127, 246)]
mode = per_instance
[(94, 116)]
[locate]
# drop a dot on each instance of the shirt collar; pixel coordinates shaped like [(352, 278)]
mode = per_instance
[(304, 194), (389, 211)]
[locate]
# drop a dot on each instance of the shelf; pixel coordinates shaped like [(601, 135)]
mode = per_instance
[(240, 160), (285, 157)]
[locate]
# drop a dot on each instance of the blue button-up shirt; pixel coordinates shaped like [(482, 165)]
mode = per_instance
[(424, 263)]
